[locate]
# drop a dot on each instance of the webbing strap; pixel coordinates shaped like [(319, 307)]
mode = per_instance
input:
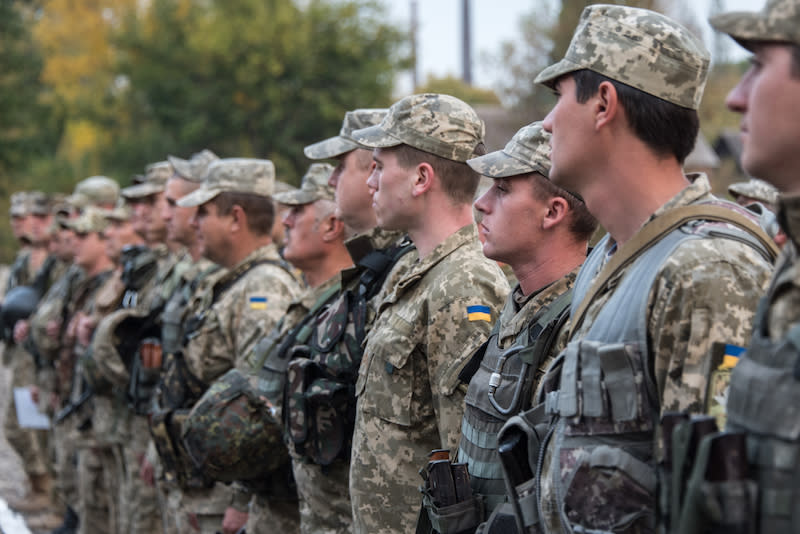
[(655, 230)]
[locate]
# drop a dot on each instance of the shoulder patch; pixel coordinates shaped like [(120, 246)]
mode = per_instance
[(479, 313), (258, 303)]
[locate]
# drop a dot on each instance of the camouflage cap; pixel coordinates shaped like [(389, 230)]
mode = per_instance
[(194, 168), (439, 124), (233, 175), (283, 187), (92, 219), (528, 151), (779, 20), (39, 203), (121, 212), (754, 188), (19, 204), (313, 187), (155, 181), (344, 142), (94, 191), (640, 48)]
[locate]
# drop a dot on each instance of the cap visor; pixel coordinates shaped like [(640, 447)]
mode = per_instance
[(330, 148), (197, 197), (549, 75), (743, 26), (499, 165), (141, 190), (375, 137), (294, 198)]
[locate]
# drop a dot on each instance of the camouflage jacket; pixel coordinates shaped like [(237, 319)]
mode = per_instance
[(784, 309), (53, 307), (432, 313), (705, 293), (248, 306)]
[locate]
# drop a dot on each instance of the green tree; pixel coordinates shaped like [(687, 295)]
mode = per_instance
[(259, 78)]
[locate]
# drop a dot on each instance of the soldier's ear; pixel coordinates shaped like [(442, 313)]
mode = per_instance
[(334, 229), (557, 208), (606, 104), (423, 178), (238, 218)]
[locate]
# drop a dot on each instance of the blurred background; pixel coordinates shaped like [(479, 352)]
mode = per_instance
[(107, 86)]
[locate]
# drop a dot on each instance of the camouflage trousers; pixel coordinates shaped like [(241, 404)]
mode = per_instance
[(98, 489), (194, 511), (66, 461), (269, 514), (325, 506), (139, 508), (31, 445)]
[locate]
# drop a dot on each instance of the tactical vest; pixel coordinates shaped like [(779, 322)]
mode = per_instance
[(599, 403), (501, 387), (763, 401)]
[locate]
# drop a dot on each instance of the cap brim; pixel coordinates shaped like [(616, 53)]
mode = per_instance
[(745, 27), (552, 73), (197, 197), (142, 190), (375, 137), (500, 165), (294, 198), (330, 148)]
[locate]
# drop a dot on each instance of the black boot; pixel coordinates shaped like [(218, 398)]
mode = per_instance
[(70, 524)]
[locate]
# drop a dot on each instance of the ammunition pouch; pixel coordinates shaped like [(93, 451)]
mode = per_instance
[(463, 517), (165, 429), (519, 443), (319, 411)]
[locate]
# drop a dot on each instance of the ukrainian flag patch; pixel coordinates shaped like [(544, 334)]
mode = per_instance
[(479, 313), (258, 303), (731, 357)]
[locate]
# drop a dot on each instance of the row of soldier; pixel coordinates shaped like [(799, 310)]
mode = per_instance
[(217, 385)]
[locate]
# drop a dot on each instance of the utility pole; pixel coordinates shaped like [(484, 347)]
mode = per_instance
[(466, 45), (414, 62)]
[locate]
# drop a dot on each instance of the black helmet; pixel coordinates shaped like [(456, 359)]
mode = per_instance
[(19, 303)]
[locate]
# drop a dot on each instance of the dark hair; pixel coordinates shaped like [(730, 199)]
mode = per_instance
[(668, 129), (259, 209), (458, 179), (582, 224)]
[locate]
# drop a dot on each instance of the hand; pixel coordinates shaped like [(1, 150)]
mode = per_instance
[(34, 392), (147, 472), (53, 328), (84, 329), (21, 331), (233, 520)]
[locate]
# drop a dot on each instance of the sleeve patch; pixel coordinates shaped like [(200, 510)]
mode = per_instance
[(258, 303), (479, 313)]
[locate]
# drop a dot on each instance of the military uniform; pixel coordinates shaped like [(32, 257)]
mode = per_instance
[(409, 401)]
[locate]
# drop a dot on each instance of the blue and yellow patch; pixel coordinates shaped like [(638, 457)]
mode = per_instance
[(731, 357), (258, 303), (479, 313)]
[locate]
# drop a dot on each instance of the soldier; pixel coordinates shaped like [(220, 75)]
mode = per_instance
[(435, 307), (545, 255), (315, 245), (95, 505), (234, 222), (675, 279), (764, 388), (36, 268)]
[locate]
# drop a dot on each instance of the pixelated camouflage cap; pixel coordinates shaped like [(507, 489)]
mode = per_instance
[(313, 187), (194, 168), (120, 212), (283, 187), (528, 151), (39, 203), (233, 175), (155, 181), (344, 142), (754, 188), (640, 48), (92, 219), (19, 204), (93, 191), (439, 124), (779, 20)]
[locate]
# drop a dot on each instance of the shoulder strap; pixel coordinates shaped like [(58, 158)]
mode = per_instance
[(377, 265), (544, 331), (655, 230)]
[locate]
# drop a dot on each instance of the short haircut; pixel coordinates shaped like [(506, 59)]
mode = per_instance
[(582, 224), (260, 210), (668, 129), (458, 179)]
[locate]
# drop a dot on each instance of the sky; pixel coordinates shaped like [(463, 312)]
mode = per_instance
[(493, 21)]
